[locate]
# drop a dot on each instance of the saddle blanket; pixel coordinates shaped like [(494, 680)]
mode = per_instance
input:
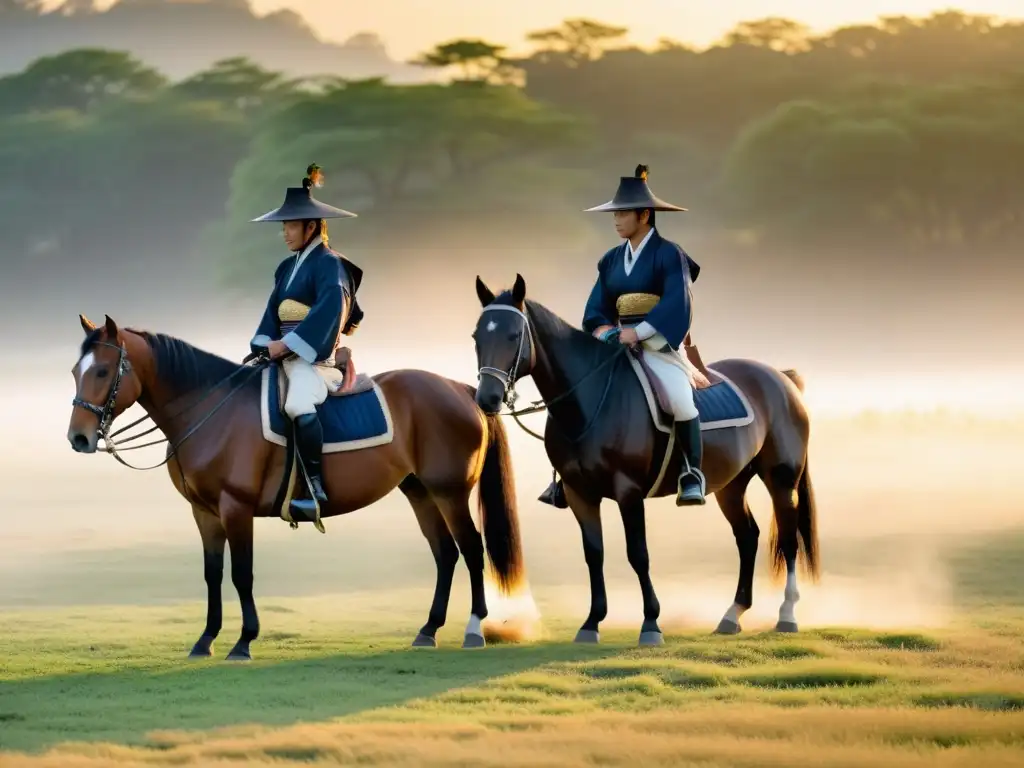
[(722, 405), (350, 422)]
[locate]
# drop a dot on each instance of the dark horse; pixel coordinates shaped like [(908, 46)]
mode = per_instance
[(601, 439), (443, 444)]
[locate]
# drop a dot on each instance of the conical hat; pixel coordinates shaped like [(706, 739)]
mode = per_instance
[(299, 203), (633, 194)]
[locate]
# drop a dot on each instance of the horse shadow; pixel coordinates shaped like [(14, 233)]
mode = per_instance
[(127, 706)]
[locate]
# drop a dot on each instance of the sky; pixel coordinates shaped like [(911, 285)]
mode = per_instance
[(412, 26)]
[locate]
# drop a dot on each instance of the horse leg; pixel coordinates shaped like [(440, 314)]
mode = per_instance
[(212, 532), (237, 519), (733, 501), (635, 526), (456, 513), (781, 481), (446, 555), (588, 515)]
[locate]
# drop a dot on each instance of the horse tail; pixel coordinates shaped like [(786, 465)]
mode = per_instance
[(795, 377), (806, 531), (499, 516), (807, 525)]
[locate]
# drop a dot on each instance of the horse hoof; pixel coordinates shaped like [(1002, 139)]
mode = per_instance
[(589, 636), (786, 626), (203, 649), (239, 654), (651, 638), (727, 627), (424, 641), (473, 641)]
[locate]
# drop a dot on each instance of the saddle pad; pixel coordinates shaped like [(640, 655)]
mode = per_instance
[(722, 405), (355, 421)]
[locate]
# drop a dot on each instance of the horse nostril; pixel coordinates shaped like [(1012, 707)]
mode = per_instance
[(80, 442)]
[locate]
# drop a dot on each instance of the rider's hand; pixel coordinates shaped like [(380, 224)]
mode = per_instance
[(628, 337), (277, 350)]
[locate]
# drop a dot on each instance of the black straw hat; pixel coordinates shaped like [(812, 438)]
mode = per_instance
[(633, 194), (299, 203)]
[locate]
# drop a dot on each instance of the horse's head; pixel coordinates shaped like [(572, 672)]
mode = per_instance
[(105, 384), (504, 344)]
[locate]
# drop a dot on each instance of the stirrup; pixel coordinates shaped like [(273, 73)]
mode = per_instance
[(554, 495), (689, 496), (317, 484)]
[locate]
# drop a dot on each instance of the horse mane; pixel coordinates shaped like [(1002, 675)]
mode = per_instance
[(552, 326), (186, 367), (578, 351)]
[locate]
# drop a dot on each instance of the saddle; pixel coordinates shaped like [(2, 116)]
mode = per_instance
[(702, 377)]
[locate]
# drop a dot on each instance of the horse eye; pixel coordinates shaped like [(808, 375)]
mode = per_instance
[(513, 336), (102, 373)]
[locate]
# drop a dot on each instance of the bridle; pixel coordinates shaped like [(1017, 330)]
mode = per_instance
[(255, 363), (106, 411), (508, 378)]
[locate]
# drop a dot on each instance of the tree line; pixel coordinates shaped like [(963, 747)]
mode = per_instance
[(869, 137)]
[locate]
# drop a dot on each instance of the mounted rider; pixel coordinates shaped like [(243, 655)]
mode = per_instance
[(642, 298), (312, 303)]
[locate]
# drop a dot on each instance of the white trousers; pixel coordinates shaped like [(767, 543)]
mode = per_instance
[(674, 376), (308, 385)]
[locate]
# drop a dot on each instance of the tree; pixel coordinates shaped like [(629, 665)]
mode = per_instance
[(578, 39), (79, 79), (479, 61), (424, 155), (921, 165), (775, 33), (238, 82)]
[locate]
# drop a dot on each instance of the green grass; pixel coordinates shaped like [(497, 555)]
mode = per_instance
[(90, 686)]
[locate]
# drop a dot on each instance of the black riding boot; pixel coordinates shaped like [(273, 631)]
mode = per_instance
[(309, 439), (691, 479), (554, 494)]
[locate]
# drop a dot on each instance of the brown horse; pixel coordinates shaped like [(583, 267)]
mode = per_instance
[(601, 438), (220, 462)]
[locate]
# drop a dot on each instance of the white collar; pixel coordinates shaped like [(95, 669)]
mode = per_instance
[(632, 256), (318, 240), (639, 248)]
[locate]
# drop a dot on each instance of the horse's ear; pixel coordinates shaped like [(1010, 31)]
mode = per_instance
[(519, 290), (87, 324), (485, 294), (111, 328)]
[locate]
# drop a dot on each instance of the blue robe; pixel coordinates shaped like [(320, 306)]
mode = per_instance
[(658, 270), (326, 283)]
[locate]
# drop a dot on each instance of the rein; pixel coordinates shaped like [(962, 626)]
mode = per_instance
[(508, 379), (106, 412)]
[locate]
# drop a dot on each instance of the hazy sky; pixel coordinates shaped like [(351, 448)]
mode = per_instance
[(411, 26)]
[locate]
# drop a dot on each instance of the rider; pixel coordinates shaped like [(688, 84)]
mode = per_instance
[(312, 303), (642, 297)]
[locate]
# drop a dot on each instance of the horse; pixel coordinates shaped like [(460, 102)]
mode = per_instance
[(601, 437), (442, 446)]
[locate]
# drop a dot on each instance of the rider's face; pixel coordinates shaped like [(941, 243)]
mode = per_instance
[(296, 233), (629, 223)]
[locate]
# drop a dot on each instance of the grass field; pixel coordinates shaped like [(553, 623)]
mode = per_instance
[(90, 686)]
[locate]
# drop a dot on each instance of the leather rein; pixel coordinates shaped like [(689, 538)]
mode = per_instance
[(105, 413), (509, 377)]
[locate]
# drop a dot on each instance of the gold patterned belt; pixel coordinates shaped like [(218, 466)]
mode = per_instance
[(291, 313), (632, 308)]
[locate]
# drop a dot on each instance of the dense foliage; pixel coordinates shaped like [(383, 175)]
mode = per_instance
[(869, 135)]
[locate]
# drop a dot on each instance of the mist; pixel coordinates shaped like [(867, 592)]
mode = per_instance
[(910, 452)]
